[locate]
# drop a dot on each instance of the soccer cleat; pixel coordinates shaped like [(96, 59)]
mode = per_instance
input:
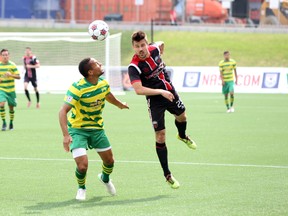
[(29, 104), (4, 126), (38, 105), (189, 142), (109, 185), (81, 194), (228, 111), (11, 126), (172, 182), (232, 110)]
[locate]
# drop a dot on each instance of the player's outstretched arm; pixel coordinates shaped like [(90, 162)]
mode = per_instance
[(142, 90), (113, 100), (67, 139)]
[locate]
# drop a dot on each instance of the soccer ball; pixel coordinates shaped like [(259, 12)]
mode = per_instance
[(98, 30)]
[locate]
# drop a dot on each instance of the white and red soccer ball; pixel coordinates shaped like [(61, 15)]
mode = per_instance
[(98, 30)]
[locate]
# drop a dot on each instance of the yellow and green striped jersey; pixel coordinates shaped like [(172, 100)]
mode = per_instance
[(7, 84), (227, 69), (87, 101)]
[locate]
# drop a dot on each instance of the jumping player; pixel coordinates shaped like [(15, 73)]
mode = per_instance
[(149, 77), (228, 72), (30, 64)]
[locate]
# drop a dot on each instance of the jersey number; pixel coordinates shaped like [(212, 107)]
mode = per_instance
[(180, 104)]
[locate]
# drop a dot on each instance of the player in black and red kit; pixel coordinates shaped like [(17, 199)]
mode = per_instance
[(30, 64), (148, 77)]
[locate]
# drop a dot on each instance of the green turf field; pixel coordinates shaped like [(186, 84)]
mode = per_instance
[(186, 48), (240, 166), (206, 48)]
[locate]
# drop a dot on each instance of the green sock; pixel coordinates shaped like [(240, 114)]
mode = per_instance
[(231, 100), (227, 102), (2, 114), (81, 179), (106, 171), (11, 115)]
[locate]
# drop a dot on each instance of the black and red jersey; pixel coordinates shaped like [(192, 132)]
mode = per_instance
[(151, 71), (32, 60)]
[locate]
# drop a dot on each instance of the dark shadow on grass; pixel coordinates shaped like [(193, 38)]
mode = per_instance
[(95, 201), (42, 206)]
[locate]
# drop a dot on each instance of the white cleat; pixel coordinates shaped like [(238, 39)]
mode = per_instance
[(232, 110), (110, 187), (228, 111), (81, 194)]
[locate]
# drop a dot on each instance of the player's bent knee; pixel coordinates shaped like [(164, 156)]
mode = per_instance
[(182, 117), (160, 136), (106, 155), (79, 155), (109, 161), (82, 167)]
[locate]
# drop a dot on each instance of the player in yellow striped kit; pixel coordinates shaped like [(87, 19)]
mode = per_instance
[(8, 74), (228, 74), (84, 128)]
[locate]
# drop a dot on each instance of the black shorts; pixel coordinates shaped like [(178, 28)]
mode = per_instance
[(33, 80), (157, 105)]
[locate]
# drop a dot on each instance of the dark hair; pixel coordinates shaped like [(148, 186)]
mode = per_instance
[(28, 48), (4, 50), (138, 36), (84, 66), (225, 52)]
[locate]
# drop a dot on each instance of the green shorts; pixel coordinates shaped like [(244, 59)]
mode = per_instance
[(10, 97), (92, 139), (228, 87)]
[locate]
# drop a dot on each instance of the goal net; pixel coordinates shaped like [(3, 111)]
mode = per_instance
[(59, 55)]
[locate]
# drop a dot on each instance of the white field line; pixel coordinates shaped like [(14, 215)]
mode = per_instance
[(153, 162)]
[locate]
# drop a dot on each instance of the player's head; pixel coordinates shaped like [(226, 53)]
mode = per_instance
[(90, 67), (84, 67), (4, 51), (140, 44), (226, 55), (28, 51), (138, 36), (4, 55)]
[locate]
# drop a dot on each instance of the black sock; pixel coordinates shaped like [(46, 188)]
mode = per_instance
[(27, 94), (181, 126), (37, 96), (162, 153)]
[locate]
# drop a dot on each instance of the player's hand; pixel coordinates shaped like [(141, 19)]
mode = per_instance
[(223, 83), (236, 82), (124, 105), (168, 95), (8, 74), (66, 142), (28, 66)]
